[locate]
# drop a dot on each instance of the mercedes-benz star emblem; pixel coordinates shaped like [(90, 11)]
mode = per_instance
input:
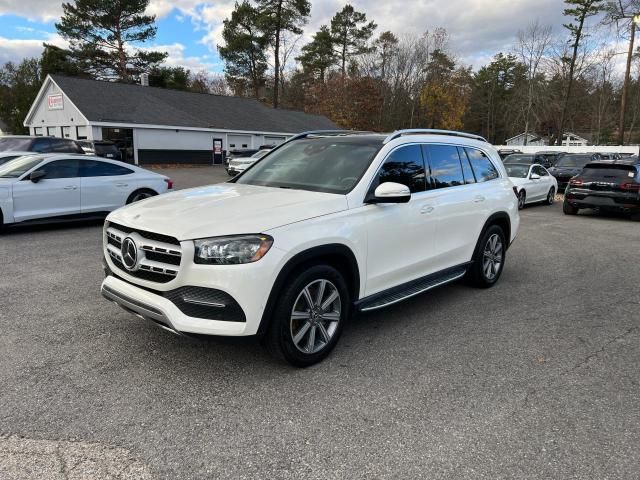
[(129, 252)]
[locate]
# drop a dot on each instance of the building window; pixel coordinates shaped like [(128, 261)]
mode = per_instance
[(51, 131), (37, 131), (66, 132), (81, 133)]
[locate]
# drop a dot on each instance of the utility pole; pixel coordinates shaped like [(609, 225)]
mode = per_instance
[(625, 86)]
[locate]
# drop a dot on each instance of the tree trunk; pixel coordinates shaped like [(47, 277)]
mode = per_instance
[(276, 82), (122, 56), (625, 86), (344, 56)]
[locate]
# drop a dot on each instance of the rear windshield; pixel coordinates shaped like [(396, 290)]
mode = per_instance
[(609, 172), (519, 159), (102, 148), (573, 161), (15, 144), (517, 170)]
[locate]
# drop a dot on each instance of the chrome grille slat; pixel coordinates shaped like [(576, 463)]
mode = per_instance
[(166, 257)]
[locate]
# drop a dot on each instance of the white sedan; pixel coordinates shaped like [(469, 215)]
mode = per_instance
[(60, 186), (533, 183)]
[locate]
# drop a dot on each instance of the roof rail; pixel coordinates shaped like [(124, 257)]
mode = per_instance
[(327, 133), (431, 131)]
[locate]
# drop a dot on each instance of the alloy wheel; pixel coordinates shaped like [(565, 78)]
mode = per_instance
[(521, 200), (140, 196), (492, 257), (315, 316), (551, 197)]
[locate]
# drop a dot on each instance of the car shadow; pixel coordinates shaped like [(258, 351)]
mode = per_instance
[(51, 226)]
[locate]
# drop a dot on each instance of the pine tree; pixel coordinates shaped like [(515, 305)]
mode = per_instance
[(318, 55), (350, 34), (103, 36)]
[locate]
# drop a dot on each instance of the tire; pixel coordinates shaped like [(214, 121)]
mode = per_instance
[(140, 195), (569, 209), (489, 258), (308, 336), (551, 196), (522, 197)]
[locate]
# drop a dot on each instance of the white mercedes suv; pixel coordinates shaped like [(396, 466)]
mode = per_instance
[(327, 224)]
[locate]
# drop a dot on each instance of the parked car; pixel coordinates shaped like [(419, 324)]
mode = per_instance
[(240, 164), (529, 159), (608, 156), (23, 143), (605, 185), (568, 166), (101, 148), (239, 153), (56, 186), (7, 156), (505, 152), (322, 226), (551, 157), (533, 183)]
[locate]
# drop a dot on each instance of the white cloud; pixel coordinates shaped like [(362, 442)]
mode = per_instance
[(177, 58), (15, 50), (43, 10)]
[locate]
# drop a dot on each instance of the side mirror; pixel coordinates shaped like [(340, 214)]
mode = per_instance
[(390, 192), (36, 176), (535, 176)]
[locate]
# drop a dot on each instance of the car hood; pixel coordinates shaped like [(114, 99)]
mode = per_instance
[(226, 209)]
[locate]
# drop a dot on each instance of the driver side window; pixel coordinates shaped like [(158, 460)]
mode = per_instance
[(60, 169), (404, 165)]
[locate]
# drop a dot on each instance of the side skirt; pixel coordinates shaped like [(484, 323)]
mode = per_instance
[(411, 289)]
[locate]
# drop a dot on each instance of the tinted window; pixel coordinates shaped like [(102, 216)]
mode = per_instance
[(609, 172), (540, 171), (60, 169), (404, 165), (466, 167), (42, 145), (9, 144), (570, 161), (482, 166), (93, 168), (61, 145), (517, 170), (519, 159), (444, 162), (104, 149)]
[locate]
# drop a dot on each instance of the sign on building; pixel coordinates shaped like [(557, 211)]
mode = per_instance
[(55, 102)]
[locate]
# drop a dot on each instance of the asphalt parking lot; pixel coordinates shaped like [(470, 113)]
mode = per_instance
[(535, 378)]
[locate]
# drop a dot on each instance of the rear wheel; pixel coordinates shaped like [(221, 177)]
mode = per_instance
[(489, 260), (309, 316), (551, 196), (140, 195), (569, 209), (522, 197)]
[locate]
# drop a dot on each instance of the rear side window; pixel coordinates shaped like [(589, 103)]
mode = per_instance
[(60, 169), (93, 168), (404, 165), (482, 166), (539, 171), (444, 163)]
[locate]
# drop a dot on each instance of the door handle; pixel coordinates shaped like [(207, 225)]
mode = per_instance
[(478, 199), (426, 209), (71, 187)]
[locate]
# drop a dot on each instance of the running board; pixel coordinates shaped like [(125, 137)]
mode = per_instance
[(410, 289)]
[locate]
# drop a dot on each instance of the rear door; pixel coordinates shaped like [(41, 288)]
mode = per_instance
[(105, 186), (458, 202), (56, 194)]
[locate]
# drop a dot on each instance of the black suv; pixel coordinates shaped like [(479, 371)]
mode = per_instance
[(605, 185), (527, 159), (23, 143), (101, 148), (551, 156), (570, 165)]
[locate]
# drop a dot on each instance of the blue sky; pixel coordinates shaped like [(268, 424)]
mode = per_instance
[(189, 30)]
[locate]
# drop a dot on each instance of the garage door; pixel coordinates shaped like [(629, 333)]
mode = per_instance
[(239, 141), (272, 140)]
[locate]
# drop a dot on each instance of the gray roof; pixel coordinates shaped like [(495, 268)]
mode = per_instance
[(127, 103)]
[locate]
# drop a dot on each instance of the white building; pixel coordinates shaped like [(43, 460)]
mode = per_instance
[(520, 140), (156, 125)]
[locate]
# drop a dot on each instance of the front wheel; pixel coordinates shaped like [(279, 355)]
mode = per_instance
[(309, 316), (551, 196), (488, 262)]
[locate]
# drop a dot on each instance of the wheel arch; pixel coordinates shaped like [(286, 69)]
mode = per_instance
[(500, 219), (337, 255), (138, 190)]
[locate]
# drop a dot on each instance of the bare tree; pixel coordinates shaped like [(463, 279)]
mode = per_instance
[(533, 43)]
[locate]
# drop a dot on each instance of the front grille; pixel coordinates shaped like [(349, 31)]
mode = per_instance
[(158, 255)]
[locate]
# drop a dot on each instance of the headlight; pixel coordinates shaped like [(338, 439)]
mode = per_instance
[(232, 250)]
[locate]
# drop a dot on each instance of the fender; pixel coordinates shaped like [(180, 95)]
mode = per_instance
[(334, 251), (498, 218)]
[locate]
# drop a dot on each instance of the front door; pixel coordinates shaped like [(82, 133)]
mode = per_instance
[(56, 194)]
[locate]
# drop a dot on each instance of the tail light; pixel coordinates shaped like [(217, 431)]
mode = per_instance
[(631, 187), (169, 183), (575, 182)]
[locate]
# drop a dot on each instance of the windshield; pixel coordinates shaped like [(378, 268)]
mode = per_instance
[(326, 164), (517, 171), (19, 166), (577, 161), (15, 144), (519, 159), (260, 153), (5, 159)]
